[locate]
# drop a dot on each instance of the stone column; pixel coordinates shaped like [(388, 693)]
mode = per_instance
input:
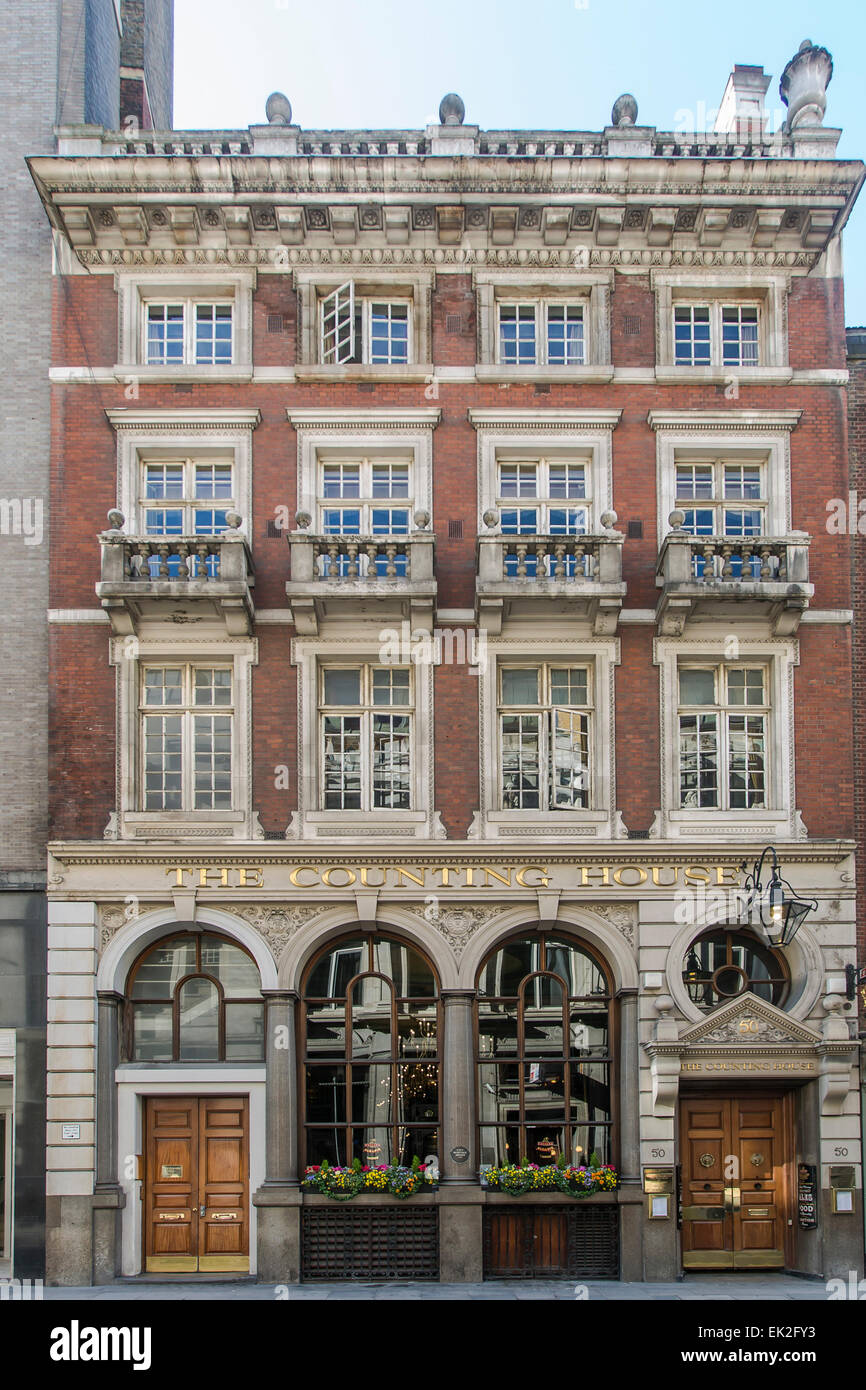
[(461, 1199), (108, 1195), (631, 1203), (278, 1200)]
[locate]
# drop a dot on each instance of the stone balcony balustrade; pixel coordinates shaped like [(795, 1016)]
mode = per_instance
[(543, 576), (728, 577), (347, 577), (176, 578)]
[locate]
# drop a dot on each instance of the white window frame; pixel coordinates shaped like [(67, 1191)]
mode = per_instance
[(206, 434), (189, 504), (311, 820), (350, 312), (541, 318), (136, 291), (579, 436), (544, 709), (723, 711), (326, 436), (769, 293), (600, 820), (733, 436), (128, 656), (187, 711), (379, 286), (542, 502), (365, 711), (365, 503), (779, 819), (590, 288), (715, 313)]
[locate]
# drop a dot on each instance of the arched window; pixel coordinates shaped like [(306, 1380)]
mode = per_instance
[(544, 1053), (371, 1054), (195, 997), (723, 964)]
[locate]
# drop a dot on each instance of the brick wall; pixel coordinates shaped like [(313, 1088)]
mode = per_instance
[(857, 453), (84, 482)]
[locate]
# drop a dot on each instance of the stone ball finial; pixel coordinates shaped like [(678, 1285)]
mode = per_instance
[(233, 521), (803, 85), (422, 520), (624, 110), (491, 518), (116, 520), (676, 520), (303, 521), (609, 519), (451, 110), (278, 109)]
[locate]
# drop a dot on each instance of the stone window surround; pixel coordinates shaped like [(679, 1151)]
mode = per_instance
[(769, 291), (586, 434), (129, 655), (200, 282), (310, 820), (600, 820), (373, 281), (364, 433), (779, 656), (156, 434), (735, 435), (593, 287)]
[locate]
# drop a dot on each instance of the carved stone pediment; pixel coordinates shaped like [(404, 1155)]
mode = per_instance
[(748, 1022)]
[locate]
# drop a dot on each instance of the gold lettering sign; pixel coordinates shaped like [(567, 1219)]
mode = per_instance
[(768, 1065), (706, 879)]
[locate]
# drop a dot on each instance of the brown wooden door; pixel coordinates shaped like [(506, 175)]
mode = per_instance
[(196, 1184), (735, 1156)]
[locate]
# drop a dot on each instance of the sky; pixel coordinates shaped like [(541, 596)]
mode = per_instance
[(543, 64)]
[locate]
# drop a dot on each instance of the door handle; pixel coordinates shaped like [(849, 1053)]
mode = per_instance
[(732, 1199)]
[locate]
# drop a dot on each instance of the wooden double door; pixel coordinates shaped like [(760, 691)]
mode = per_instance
[(737, 1160), (196, 1184)]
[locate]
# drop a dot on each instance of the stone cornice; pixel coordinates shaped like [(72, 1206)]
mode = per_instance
[(714, 421), (546, 420), (205, 417), (321, 418)]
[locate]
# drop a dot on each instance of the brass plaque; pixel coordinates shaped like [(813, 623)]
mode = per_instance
[(841, 1176), (172, 1170), (658, 1179)]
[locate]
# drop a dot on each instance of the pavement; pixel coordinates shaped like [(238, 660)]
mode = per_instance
[(731, 1288)]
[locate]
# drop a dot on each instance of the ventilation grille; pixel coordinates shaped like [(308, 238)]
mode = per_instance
[(275, 323), (635, 530), (542, 388), (275, 530), (275, 835), (638, 835), (379, 1243), (182, 390), (552, 1243), (453, 323), (455, 530), (631, 325)]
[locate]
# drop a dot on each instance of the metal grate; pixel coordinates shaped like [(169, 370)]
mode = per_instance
[(453, 323), (635, 530), (542, 388), (275, 530), (631, 325), (638, 834), (275, 323), (379, 1243), (551, 1242), (455, 530)]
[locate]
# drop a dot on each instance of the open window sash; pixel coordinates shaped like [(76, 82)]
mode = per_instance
[(338, 325), (569, 757)]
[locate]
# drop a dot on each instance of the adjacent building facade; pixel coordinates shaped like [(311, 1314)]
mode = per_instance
[(443, 614), (73, 54)]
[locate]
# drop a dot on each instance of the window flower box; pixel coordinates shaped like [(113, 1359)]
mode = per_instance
[(396, 1179), (531, 1177)]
